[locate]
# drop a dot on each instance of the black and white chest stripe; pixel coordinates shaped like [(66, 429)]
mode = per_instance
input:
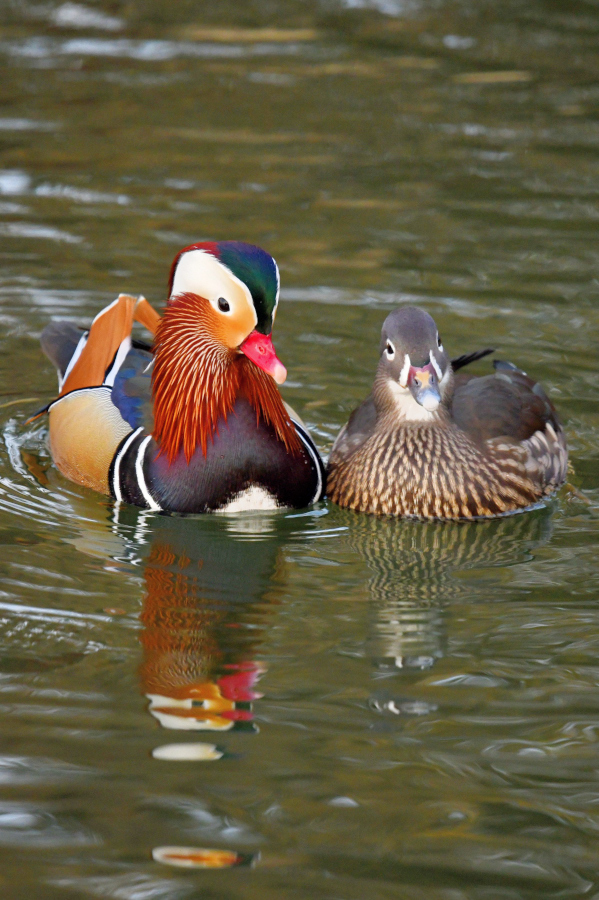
[(314, 456), (127, 476)]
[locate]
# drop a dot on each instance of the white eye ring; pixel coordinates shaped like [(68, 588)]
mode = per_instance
[(439, 344), (390, 350)]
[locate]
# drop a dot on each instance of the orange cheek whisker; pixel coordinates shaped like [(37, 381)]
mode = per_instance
[(196, 380)]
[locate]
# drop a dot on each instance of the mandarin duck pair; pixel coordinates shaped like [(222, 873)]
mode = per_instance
[(195, 423)]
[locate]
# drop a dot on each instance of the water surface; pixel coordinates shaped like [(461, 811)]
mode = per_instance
[(385, 709)]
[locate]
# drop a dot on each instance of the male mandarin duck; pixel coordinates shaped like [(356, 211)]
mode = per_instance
[(196, 422), (432, 445)]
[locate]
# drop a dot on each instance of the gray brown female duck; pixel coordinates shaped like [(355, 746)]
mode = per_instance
[(435, 445)]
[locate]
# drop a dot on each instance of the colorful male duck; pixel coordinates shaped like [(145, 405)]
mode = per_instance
[(433, 445), (196, 423)]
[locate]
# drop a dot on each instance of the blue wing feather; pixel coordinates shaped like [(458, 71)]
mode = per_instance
[(132, 391)]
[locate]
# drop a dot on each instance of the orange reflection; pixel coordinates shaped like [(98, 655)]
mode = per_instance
[(199, 857), (197, 670)]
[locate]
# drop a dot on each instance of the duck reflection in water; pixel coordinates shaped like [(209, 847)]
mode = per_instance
[(206, 599), (417, 569)]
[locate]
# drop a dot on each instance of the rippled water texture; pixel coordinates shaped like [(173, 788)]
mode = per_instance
[(314, 704)]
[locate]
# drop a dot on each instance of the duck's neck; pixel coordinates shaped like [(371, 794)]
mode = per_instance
[(196, 381), (395, 404), (396, 407)]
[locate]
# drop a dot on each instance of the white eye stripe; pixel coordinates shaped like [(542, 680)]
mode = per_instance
[(390, 350), (199, 272), (436, 365), (403, 375)]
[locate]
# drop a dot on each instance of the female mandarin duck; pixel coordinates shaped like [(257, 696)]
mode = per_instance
[(219, 436), (434, 446)]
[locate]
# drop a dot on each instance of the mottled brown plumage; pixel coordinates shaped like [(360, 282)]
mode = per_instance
[(430, 444)]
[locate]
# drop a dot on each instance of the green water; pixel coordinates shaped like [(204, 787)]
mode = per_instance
[(399, 710)]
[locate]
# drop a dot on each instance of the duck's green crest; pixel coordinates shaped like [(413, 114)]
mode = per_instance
[(252, 265)]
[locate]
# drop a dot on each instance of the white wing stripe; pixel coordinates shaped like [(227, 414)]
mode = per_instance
[(73, 360), (118, 361)]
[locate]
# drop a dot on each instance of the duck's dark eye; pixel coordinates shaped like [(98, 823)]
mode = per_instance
[(439, 341), (223, 304), (390, 350)]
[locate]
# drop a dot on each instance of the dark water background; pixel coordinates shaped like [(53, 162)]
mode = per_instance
[(399, 710)]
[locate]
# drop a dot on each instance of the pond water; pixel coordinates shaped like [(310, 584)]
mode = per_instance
[(377, 709)]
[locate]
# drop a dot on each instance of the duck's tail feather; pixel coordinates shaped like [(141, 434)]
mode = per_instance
[(59, 341), (460, 361)]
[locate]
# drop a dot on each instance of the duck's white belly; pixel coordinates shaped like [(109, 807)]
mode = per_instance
[(253, 498)]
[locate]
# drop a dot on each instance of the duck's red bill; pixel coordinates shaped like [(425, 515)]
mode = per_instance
[(258, 347)]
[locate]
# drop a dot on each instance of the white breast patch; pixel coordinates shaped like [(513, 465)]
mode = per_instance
[(252, 498)]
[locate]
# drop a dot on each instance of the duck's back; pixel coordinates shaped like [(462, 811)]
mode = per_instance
[(505, 403), (508, 409)]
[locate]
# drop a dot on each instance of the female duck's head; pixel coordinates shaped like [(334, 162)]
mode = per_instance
[(414, 372)]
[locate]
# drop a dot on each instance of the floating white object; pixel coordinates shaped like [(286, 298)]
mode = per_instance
[(191, 723), (343, 801), (195, 752)]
